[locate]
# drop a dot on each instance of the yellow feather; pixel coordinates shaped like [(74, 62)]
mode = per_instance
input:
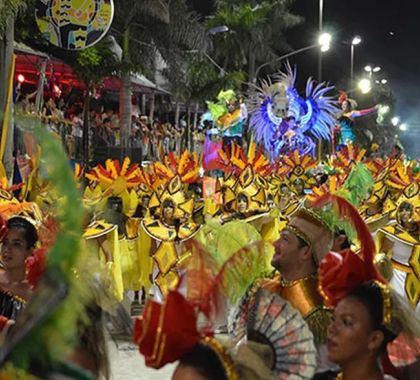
[(252, 151), (183, 161), (296, 156), (126, 164)]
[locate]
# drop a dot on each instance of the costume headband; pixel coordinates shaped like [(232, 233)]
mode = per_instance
[(223, 356)]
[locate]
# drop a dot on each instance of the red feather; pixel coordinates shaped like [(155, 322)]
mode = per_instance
[(131, 170), (173, 162), (117, 167), (349, 213), (342, 272)]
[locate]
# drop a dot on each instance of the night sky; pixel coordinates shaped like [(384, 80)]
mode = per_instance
[(390, 31)]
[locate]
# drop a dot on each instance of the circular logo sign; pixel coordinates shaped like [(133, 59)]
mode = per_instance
[(74, 24)]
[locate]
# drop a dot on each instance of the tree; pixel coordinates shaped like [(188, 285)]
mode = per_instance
[(145, 28), (256, 32)]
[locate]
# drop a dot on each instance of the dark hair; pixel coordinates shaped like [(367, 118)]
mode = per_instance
[(301, 243), (346, 243), (168, 203), (205, 361), (31, 235), (370, 295)]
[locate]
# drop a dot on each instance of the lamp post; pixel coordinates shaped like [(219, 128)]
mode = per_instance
[(324, 41), (372, 70), (356, 41), (321, 12)]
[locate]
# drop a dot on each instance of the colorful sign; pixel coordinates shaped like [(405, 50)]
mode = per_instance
[(74, 24)]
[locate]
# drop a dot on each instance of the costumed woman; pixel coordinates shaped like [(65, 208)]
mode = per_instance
[(282, 120), (349, 113), (368, 313), (229, 114), (19, 240)]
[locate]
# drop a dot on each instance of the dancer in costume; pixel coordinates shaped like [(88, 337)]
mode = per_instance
[(301, 246), (282, 120), (229, 114), (171, 223), (400, 240), (117, 185), (349, 113), (17, 243), (368, 313), (279, 343)]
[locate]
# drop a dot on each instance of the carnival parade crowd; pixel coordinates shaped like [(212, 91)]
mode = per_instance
[(309, 265)]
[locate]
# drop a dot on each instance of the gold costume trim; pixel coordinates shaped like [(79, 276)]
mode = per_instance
[(303, 295), (387, 305), (224, 357), (299, 234), (14, 296)]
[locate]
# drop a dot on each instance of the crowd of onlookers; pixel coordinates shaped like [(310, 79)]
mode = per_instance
[(154, 137)]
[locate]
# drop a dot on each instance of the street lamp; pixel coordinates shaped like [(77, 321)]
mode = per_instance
[(356, 41), (384, 81), (403, 127), (371, 70), (365, 85), (324, 41), (395, 120)]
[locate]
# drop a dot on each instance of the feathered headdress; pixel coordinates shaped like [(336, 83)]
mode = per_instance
[(119, 181), (282, 120)]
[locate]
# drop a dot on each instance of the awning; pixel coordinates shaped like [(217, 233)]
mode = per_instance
[(29, 62)]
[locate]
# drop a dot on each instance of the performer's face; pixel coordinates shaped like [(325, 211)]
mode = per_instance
[(405, 213), (345, 106), (14, 249), (242, 204), (287, 251), (350, 334), (168, 210)]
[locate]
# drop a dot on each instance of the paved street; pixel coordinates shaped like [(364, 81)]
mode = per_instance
[(128, 364)]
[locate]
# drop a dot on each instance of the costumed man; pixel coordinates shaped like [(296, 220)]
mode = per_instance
[(302, 245), (349, 113), (400, 240), (278, 343)]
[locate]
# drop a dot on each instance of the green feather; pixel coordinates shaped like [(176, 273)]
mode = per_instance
[(54, 326)]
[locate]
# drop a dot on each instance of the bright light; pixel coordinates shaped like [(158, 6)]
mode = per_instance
[(21, 78), (365, 86), (403, 127), (356, 40), (384, 81), (219, 29), (325, 48), (383, 110), (368, 68), (376, 69), (395, 120), (325, 40)]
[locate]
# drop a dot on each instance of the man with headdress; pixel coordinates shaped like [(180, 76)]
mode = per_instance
[(302, 245)]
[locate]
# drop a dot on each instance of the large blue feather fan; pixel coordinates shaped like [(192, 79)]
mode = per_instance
[(282, 120)]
